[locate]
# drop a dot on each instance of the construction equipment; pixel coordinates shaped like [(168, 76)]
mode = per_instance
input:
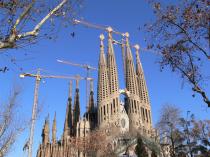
[(38, 78), (90, 25), (107, 29), (85, 66)]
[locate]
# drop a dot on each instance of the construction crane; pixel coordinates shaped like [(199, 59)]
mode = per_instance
[(88, 69), (38, 78), (90, 25), (107, 29)]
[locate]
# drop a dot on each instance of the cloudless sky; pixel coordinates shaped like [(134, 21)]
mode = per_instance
[(124, 16)]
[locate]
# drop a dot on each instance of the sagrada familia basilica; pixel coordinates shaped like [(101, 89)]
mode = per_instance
[(118, 113)]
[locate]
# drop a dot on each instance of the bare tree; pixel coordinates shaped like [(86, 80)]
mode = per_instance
[(168, 128), (183, 136), (21, 21), (10, 123), (180, 33)]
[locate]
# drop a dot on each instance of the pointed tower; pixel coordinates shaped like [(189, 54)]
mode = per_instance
[(91, 113), (143, 94), (103, 91), (133, 102), (46, 132), (76, 112), (68, 119), (91, 99), (54, 129), (113, 76)]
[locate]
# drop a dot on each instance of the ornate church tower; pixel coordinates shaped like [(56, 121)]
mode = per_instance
[(54, 129), (113, 107), (46, 132), (91, 114), (76, 112), (132, 103), (103, 91), (68, 119), (143, 95)]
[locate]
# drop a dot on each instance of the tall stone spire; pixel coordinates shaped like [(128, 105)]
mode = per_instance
[(143, 95), (103, 82), (68, 119), (132, 104), (91, 99), (91, 113), (103, 91), (111, 65), (76, 112), (143, 92), (131, 82), (54, 129), (45, 132)]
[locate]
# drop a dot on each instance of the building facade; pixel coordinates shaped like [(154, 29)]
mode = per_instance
[(117, 111)]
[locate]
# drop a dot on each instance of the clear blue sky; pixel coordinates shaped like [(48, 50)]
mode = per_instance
[(123, 15)]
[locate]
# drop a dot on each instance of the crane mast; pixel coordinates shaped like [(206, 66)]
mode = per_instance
[(34, 109)]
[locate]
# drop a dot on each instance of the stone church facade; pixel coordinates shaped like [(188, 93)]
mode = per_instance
[(120, 110)]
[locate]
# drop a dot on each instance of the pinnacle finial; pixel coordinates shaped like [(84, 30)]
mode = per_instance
[(127, 35), (101, 37), (137, 47), (109, 29)]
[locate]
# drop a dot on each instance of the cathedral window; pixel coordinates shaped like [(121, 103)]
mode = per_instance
[(135, 106), (146, 115), (114, 105), (111, 108), (101, 114), (143, 114), (117, 104), (107, 109), (104, 110)]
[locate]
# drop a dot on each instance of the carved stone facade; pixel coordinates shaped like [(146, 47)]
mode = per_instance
[(132, 114)]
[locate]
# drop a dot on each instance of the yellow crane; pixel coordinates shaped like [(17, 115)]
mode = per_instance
[(38, 78), (88, 69)]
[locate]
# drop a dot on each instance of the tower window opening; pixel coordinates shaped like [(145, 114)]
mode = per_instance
[(146, 115), (104, 110), (107, 109), (143, 114), (135, 106), (101, 114), (117, 104), (114, 105), (111, 108)]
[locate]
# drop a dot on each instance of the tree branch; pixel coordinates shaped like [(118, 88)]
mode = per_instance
[(23, 15), (195, 88), (188, 37), (36, 29), (11, 40)]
